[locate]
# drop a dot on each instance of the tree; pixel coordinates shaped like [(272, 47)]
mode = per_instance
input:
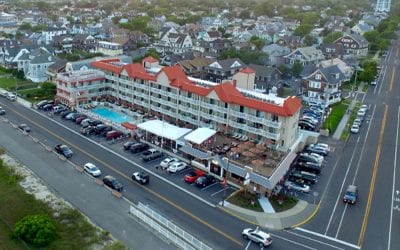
[(258, 42), (309, 40), (297, 68), (332, 36), (38, 230), (303, 29), (25, 26)]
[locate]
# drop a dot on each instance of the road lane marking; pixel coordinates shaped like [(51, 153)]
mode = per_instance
[(328, 238), (392, 79), (188, 213), (394, 178), (383, 78), (373, 179), (312, 239), (341, 187), (294, 242), (357, 168)]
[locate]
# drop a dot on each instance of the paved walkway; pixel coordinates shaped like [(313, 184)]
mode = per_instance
[(266, 205), (293, 217), (343, 122)]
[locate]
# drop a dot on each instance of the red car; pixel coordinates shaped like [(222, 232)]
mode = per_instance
[(193, 175), (113, 134)]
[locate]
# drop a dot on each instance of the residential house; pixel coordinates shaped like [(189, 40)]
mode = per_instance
[(353, 45), (51, 32), (196, 67), (266, 77), (361, 27), (322, 84), (223, 69), (292, 42), (332, 50), (8, 23), (276, 54), (346, 69), (84, 42), (35, 63), (305, 55), (57, 67), (109, 49), (63, 43), (173, 41), (211, 36), (335, 23)]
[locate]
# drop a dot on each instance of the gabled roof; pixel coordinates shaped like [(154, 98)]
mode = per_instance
[(150, 59), (226, 64), (247, 71), (262, 70), (226, 91)]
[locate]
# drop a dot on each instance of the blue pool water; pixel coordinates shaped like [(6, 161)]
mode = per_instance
[(111, 115)]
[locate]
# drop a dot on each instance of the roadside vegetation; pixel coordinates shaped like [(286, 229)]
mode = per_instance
[(27, 223), (245, 199), (333, 120), (346, 132)]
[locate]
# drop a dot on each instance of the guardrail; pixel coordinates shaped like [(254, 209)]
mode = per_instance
[(177, 235)]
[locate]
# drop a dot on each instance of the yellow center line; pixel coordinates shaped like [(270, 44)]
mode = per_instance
[(392, 79), (373, 179), (158, 195)]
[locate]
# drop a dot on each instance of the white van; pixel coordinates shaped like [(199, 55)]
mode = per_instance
[(12, 97)]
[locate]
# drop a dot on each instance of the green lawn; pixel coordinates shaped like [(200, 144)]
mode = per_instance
[(333, 120), (73, 230), (9, 83), (245, 199), (282, 203)]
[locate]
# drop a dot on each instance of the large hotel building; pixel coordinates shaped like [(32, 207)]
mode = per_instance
[(231, 107)]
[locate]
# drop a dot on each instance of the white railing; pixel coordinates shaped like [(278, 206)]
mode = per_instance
[(167, 228)]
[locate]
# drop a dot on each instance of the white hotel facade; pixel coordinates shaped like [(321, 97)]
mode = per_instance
[(231, 107)]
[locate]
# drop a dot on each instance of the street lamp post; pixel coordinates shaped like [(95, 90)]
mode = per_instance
[(225, 181)]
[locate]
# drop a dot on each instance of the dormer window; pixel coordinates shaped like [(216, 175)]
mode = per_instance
[(318, 77)]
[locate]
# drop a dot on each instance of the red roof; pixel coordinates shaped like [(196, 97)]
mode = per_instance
[(226, 92), (150, 59), (129, 126), (248, 70)]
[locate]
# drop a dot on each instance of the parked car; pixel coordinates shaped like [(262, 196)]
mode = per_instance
[(354, 129), (85, 122), (4, 94), (141, 177), (113, 134), (310, 157), (103, 129), (58, 109), (127, 145), (309, 167), (257, 236), (40, 104), (306, 126), (94, 122), (193, 175), (350, 195), (151, 154), (2, 111), (357, 122), (176, 167), (92, 169), (70, 115), (297, 186), (112, 183), (64, 113), (63, 150), (320, 145), (79, 119), (205, 180), (76, 117), (47, 107), (361, 112), (24, 127), (317, 150), (164, 164), (89, 130), (139, 147), (306, 177)]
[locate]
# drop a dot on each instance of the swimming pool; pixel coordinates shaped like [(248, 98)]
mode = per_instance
[(111, 115)]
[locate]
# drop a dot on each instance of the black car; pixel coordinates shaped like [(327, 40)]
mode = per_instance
[(205, 180), (89, 130), (303, 176), (94, 122), (24, 127), (128, 144), (139, 147), (65, 113), (47, 107), (2, 111), (309, 167), (112, 183), (63, 150), (42, 104), (105, 130)]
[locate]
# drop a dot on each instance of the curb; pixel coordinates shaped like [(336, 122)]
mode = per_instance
[(307, 219)]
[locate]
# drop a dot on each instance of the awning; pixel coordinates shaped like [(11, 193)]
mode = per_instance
[(129, 126), (164, 129), (195, 152), (199, 135)]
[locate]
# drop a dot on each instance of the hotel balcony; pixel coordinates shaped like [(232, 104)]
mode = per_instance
[(254, 118), (156, 91), (189, 100)]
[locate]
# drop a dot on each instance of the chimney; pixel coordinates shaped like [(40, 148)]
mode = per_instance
[(234, 82)]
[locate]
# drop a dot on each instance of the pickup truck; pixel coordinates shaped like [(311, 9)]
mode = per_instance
[(151, 154)]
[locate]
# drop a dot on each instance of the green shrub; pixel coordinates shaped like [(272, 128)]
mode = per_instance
[(37, 230)]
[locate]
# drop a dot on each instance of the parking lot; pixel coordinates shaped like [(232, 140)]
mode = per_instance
[(213, 193)]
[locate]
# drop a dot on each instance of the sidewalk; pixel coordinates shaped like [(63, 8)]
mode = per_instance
[(299, 214), (343, 122)]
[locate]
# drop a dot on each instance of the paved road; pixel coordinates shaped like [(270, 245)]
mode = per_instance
[(368, 160)]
